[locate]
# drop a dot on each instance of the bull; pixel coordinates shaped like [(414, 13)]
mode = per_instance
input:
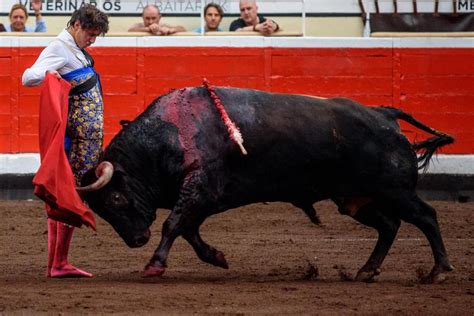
[(178, 155)]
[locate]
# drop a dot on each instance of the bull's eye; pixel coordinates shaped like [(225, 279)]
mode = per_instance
[(117, 201), (116, 197)]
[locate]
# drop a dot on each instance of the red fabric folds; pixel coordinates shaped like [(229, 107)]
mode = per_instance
[(54, 182)]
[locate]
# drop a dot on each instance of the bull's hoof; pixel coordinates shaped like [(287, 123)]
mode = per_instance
[(438, 274), (153, 270), (367, 276), (220, 260), (315, 220)]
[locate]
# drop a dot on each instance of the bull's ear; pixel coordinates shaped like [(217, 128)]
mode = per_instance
[(120, 176), (119, 170), (88, 178)]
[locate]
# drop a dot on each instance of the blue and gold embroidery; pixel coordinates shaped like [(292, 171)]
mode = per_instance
[(85, 125)]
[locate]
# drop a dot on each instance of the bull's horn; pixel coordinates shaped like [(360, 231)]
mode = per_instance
[(104, 172)]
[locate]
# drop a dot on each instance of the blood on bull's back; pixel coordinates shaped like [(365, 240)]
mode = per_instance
[(178, 154)]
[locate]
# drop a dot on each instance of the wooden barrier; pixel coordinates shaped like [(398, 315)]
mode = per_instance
[(142, 34)]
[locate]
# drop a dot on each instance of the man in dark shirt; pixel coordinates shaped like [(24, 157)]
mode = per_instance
[(250, 20)]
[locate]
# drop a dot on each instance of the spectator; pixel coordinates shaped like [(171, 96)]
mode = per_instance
[(19, 15), (250, 20), (67, 58), (213, 15), (2, 28), (151, 23)]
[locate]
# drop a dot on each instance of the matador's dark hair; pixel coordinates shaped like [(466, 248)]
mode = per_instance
[(90, 18)]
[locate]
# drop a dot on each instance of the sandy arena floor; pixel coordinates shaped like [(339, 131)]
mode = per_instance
[(270, 249)]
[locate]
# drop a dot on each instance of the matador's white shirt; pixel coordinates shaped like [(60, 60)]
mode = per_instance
[(62, 55)]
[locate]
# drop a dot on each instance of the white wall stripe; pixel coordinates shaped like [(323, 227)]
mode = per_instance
[(433, 42), (265, 6), (253, 41)]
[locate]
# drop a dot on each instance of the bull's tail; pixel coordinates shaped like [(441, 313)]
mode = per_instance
[(425, 148)]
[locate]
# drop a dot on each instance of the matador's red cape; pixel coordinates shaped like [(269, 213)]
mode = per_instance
[(54, 182)]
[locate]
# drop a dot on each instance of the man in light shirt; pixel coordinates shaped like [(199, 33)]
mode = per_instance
[(213, 15), (151, 23), (19, 15)]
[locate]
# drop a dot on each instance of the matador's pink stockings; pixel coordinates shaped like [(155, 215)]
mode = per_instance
[(59, 239)]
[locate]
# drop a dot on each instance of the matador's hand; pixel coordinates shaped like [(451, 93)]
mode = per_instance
[(54, 73)]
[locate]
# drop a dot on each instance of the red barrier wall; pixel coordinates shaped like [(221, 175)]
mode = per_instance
[(434, 84)]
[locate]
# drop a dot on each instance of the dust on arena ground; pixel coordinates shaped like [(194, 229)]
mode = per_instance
[(279, 263)]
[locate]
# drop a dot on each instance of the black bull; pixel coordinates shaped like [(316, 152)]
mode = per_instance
[(178, 155)]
